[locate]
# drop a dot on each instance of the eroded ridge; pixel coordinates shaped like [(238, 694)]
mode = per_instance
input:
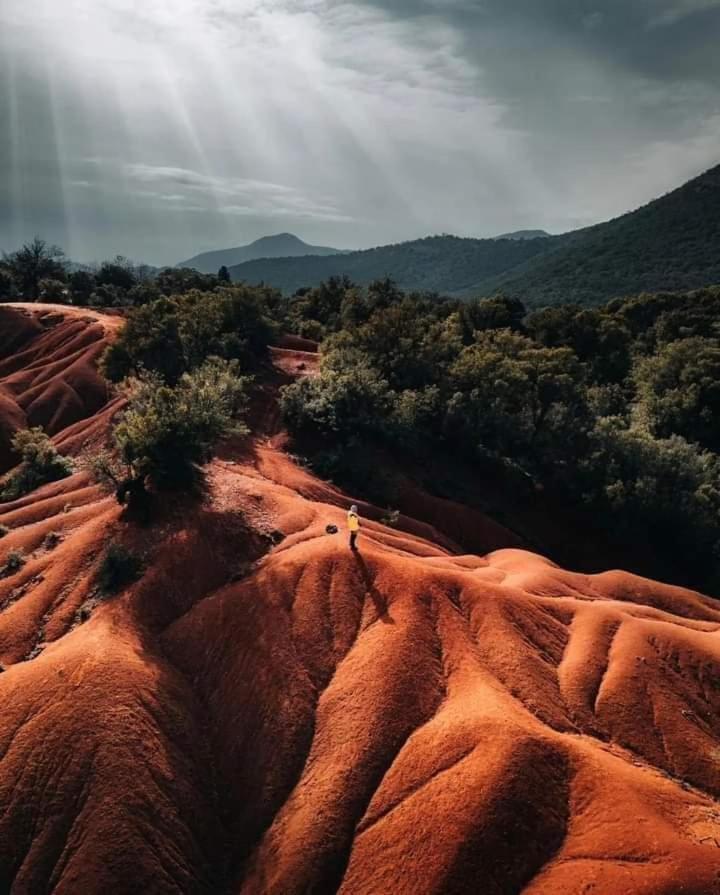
[(265, 712)]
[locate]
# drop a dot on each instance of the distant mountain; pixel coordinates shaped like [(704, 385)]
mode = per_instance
[(444, 264), (283, 245), (672, 244), (524, 234)]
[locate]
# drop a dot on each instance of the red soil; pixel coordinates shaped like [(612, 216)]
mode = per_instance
[(250, 718), (48, 372)]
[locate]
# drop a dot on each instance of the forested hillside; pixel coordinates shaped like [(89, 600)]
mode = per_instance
[(444, 264), (671, 244)]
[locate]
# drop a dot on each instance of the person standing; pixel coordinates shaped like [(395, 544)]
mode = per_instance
[(353, 523)]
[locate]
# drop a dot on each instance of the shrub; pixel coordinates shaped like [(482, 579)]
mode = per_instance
[(119, 567), (347, 398), (14, 562), (390, 518), (3, 530), (667, 488), (51, 540), (166, 433), (40, 464), (52, 290), (172, 336)]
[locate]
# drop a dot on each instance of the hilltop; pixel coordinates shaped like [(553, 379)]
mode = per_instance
[(282, 245), (524, 234), (670, 244), (265, 712), (673, 243), (446, 264)]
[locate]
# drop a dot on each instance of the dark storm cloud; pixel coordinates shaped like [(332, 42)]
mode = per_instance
[(163, 130)]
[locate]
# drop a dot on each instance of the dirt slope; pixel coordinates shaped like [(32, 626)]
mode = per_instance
[(48, 374), (265, 712)]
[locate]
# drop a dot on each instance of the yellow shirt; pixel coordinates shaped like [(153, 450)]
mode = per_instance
[(353, 522)]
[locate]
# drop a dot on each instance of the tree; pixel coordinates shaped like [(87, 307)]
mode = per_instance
[(118, 272), (34, 262), (8, 292), (666, 488), (679, 389), (82, 285), (40, 463), (491, 313), (151, 341), (52, 290), (173, 335), (347, 399), (223, 274), (600, 340), (180, 280), (517, 398), (166, 433)]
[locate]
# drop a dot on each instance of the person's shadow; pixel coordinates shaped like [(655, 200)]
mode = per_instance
[(378, 600)]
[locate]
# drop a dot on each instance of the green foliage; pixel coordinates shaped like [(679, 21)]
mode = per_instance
[(181, 280), (348, 398), (119, 568), (517, 399), (81, 285), (118, 273), (666, 488), (166, 432), (671, 244), (8, 289), (447, 264), (40, 464), (52, 290), (599, 339), (34, 262), (171, 336), (679, 390), (613, 409)]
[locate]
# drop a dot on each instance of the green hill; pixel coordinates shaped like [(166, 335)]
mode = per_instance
[(445, 264), (282, 245), (672, 244)]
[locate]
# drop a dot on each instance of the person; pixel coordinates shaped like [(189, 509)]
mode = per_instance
[(353, 521)]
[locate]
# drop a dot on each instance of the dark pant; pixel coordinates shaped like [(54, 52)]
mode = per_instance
[(353, 536)]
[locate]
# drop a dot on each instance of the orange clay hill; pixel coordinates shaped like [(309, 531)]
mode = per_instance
[(265, 712)]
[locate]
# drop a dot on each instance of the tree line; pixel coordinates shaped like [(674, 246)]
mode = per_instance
[(614, 410), (39, 271)]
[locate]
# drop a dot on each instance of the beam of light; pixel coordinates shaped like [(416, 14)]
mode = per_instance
[(57, 157), (14, 175)]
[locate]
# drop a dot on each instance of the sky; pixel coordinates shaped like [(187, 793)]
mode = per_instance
[(157, 129)]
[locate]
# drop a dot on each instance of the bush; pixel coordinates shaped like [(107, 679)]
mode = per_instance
[(8, 290), (679, 388), (51, 540), (172, 336), (119, 567), (40, 464), (347, 398), (667, 488), (166, 433), (14, 562), (52, 290), (3, 530)]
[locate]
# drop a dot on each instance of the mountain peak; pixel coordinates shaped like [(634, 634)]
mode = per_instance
[(278, 245)]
